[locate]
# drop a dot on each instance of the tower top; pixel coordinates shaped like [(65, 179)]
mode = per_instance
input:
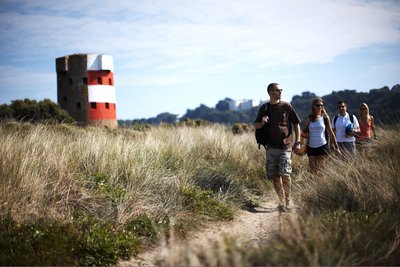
[(91, 61)]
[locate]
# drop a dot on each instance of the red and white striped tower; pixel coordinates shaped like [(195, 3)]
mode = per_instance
[(85, 86)]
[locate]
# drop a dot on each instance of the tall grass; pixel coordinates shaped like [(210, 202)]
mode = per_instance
[(92, 196), (350, 216), (73, 177)]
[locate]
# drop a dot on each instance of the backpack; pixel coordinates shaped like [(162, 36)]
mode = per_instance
[(335, 119), (262, 133)]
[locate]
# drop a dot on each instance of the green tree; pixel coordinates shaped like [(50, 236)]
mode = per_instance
[(33, 111), (222, 105)]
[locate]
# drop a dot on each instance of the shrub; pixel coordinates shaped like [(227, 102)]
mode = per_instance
[(202, 202), (33, 111), (84, 241)]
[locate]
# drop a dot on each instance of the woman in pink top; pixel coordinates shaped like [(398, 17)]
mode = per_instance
[(367, 126)]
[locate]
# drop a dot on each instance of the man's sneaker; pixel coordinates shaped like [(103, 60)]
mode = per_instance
[(281, 208), (288, 205)]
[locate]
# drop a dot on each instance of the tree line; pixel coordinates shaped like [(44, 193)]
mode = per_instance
[(27, 110), (383, 104)]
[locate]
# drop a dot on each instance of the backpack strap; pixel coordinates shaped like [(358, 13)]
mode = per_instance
[(326, 128), (267, 109), (334, 121)]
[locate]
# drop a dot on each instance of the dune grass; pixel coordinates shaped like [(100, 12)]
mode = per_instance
[(96, 187), (92, 196), (350, 216)]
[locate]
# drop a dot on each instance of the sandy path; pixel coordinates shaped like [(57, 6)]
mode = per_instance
[(255, 225)]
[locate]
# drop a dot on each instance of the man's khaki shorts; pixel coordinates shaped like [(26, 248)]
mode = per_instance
[(279, 162)]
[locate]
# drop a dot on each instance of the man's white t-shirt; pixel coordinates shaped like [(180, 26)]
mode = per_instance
[(340, 126)]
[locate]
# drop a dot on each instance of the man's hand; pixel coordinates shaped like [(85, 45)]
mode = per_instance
[(264, 120), (296, 147)]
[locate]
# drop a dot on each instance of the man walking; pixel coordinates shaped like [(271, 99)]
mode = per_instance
[(278, 116), (345, 127)]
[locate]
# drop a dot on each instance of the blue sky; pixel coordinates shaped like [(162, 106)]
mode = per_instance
[(170, 55)]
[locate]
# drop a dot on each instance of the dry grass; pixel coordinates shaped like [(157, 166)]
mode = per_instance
[(350, 216), (48, 171)]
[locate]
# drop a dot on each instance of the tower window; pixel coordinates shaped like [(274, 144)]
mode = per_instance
[(65, 98), (107, 106), (93, 105), (70, 81), (85, 80), (78, 105), (99, 80)]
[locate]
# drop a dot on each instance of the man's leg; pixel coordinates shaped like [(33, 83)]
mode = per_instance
[(287, 185), (278, 185), (273, 162), (285, 169), (352, 148), (349, 148)]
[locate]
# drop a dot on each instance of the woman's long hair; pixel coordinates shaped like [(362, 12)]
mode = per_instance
[(364, 105), (314, 114)]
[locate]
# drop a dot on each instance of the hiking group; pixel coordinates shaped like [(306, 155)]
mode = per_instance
[(277, 120)]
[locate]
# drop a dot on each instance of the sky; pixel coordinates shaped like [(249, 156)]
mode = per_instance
[(174, 55)]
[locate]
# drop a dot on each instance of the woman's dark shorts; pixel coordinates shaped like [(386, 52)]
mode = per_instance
[(318, 151)]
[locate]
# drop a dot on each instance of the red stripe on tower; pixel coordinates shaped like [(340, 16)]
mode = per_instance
[(101, 90)]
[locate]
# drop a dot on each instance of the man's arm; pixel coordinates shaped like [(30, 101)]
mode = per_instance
[(297, 131), (297, 135), (258, 125)]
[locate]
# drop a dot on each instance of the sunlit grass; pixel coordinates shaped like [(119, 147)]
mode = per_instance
[(349, 216), (112, 192), (60, 173)]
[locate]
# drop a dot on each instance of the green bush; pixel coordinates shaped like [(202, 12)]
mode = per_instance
[(145, 227), (34, 111), (85, 241), (100, 243), (99, 183), (40, 243), (202, 202)]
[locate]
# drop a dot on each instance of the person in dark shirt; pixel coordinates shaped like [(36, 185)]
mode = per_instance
[(278, 119)]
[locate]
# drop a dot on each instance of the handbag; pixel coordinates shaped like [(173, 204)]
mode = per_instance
[(303, 143)]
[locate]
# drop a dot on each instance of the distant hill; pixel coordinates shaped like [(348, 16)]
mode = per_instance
[(384, 104)]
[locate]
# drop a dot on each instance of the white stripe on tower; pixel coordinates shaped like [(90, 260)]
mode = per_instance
[(101, 93), (100, 62)]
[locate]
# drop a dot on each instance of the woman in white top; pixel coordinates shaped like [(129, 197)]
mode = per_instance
[(319, 128)]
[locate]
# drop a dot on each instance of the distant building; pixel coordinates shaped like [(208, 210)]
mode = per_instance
[(242, 104), (85, 88)]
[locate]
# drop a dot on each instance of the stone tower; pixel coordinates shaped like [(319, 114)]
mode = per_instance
[(85, 88)]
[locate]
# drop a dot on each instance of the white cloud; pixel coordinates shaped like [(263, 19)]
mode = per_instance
[(164, 42), (280, 32)]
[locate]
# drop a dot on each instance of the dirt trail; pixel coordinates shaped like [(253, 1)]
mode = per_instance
[(255, 225)]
